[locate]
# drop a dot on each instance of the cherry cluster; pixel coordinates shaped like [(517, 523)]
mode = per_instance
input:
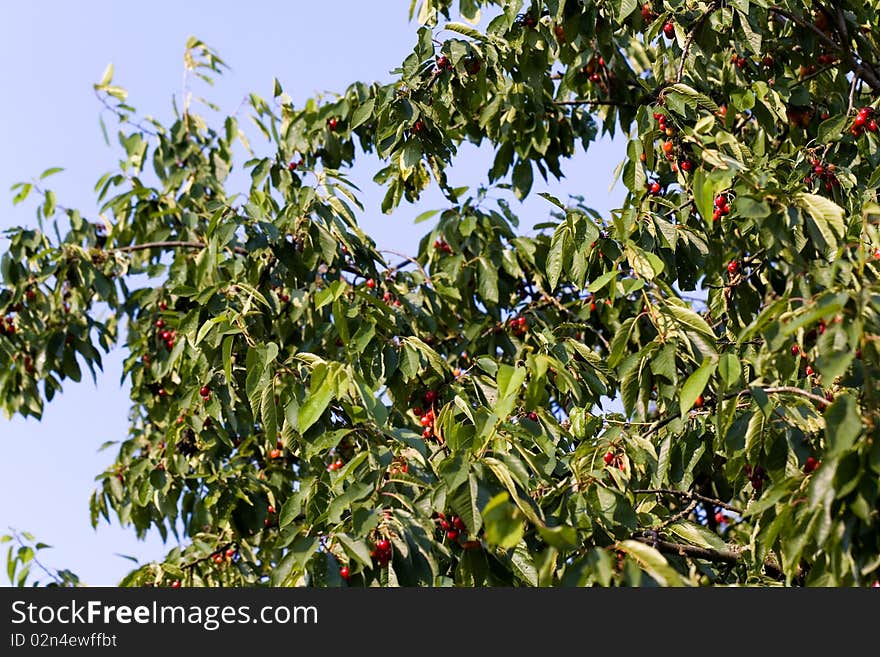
[(722, 207), (614, 460), (519, 325), (452, 527), (166, 335), (596, 68), (810, 465), (381, 554), (335, 465), (756, 476), (7, 325), (864, 121), (822, 172), (441, 245)]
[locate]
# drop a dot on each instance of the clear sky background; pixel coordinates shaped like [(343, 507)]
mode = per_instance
[(52, 51)]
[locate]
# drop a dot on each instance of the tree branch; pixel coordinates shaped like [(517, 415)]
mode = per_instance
[(689, 495), (775, 390), (174, 244), (865, 72), (585, 101), (732, 556), (690, 39)]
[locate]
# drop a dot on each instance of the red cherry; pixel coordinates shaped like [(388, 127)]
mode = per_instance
[(720, 519), (418, 126), (160, 323), (795, 350), (810, 465), (533, 416), (426, 421), (383, 545), (175, 584), (427, 433), (417, 411), (230, 552), (668, 146), (872, 126), (163, 305), (430, 397), (860, 120), (687, 165), (162, 392), (204, 391), (608, 458), (344, 572), (270, 509), (698, 402), (275, 454), (338, 463), (809, 370), (655, 188), (169, 344), (444, 525), (332, 122), (452, 534), (669, 30), (732, 266), (218, 558), (458, 523), (371, 283)]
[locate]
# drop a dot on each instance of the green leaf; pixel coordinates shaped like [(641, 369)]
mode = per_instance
[(503, 526), (556, 255), (488, 280), (464, 503), (652, 562), (602, 281), (522, 178), (625, 8), (466, 30), (107, 77), (826, 215), (730, 369), (843, 424), (695, 384), (320, 394), (832, 128), (688, 319), (697, 535), (563, 537), (51, 172), (269, 412), (357, 549)]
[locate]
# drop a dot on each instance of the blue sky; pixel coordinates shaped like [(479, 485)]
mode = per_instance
[(52, 52)]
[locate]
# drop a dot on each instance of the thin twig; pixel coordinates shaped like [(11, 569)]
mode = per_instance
[(731, 556), (34, 559), (174, 244), (775, 390), (585, 101), (409, 259), (866, 72), (689, 495), (690, 39)]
